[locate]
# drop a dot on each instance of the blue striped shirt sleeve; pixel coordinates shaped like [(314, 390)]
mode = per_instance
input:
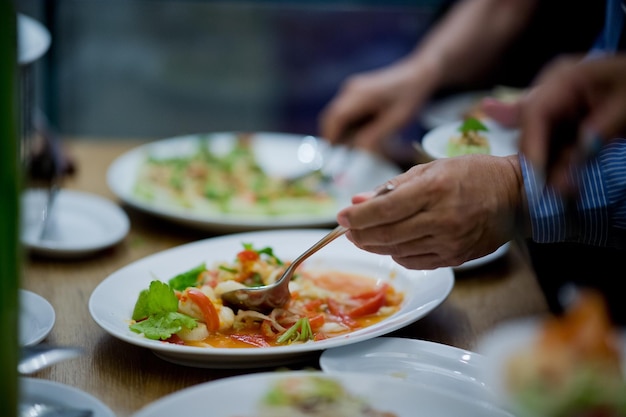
[(596, 215)]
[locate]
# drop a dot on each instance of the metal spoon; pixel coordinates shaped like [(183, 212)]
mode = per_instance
[(47, 211), (36, 357), (267, 297), (49, 410)]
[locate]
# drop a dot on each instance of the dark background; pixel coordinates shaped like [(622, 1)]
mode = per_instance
[(159, 68)]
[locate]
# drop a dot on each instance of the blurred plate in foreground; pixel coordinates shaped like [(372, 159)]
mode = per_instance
[(384, 396)]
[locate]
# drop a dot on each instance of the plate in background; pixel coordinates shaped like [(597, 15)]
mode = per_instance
[(277, 154), (475, 263), (503, 142), (81, 223), (36, 320), (112, 302)]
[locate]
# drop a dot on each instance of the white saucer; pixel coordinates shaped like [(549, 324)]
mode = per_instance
[(474, 263), (36, 319), (35, 390), (503, 141), (82, 223), (422, 362)]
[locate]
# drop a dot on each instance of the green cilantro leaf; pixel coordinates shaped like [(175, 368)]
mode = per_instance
[(472, 124), (159, 298), (163, 325), (156, 313), (187, 279)]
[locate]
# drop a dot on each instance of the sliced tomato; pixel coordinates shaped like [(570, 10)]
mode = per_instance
[(313, 305), (248, 255), (207, 308), (316, 321), (336, 310), (368, 306), (251, 339), (320, 336), (174, 339)]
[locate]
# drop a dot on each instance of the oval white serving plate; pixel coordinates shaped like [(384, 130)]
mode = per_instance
[(112, 302), (278, 154)]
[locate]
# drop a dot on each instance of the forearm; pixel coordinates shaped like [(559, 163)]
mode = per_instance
[(470, 39)]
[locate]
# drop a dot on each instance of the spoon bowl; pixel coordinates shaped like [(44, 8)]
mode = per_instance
[(37, 357), (267, 297)]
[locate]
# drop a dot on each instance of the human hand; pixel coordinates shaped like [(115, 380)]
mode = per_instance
[(442, 213), (574, 106), (371, 107)]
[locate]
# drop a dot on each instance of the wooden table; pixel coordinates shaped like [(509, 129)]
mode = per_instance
[(126, 377)]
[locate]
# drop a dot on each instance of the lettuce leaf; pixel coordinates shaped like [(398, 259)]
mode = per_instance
[(163, 326), (156, 313)]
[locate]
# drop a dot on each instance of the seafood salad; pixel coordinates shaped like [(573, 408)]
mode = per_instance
[(228, 183), (574, 367), (187, 309), (314, 396)]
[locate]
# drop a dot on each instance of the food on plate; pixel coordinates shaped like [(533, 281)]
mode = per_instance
[(471, 139), (314, 396), (499, 92), (574, 367), (231, 182), (187, 309)]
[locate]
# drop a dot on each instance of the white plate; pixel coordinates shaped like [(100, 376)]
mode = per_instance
[(475, 263), (503, 141), (35, 390), (112, 302), (277, 153), (36, 318), (240, 395), (507, 338), (82, 223), (444, 367), (33, 39)]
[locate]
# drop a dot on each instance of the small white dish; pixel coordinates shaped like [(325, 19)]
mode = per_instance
[(81, 223), (278, 154), (112, 302), (475, 263), (36, 390), (503, 142), (444, 367), (241, 396), (36, 320)]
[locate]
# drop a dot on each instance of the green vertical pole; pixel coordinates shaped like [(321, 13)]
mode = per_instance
[(10, 184)]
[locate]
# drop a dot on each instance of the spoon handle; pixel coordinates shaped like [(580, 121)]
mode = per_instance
[(335, 233)]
